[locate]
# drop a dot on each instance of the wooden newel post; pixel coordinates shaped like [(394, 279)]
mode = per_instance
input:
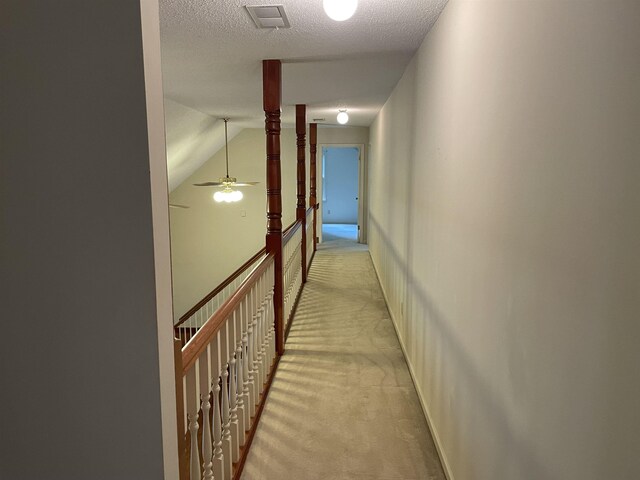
[(313, 141), (301, 206), (271, 97)]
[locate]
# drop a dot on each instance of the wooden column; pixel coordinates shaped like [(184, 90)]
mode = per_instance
[(271, 97), (313, 141), (301, 206)]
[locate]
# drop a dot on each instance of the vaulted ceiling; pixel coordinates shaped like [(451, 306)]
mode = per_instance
[(212, 53)]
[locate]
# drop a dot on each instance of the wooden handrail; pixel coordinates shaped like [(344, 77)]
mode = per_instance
[(202, 338), (291, 231), (286, 230), (309, 211), (220, 287)]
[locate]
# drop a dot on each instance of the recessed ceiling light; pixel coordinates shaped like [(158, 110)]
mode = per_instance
[(340, 10)]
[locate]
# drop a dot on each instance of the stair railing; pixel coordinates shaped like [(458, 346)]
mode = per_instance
[(189, 323), (226, 369), (292, 261), (309, 237)]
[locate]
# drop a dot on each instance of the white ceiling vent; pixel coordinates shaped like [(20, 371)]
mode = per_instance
[(268, 16)]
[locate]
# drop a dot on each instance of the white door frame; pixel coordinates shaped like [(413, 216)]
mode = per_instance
[(362, 184)]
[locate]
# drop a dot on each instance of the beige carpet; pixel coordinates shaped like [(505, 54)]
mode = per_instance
[(342, 404)]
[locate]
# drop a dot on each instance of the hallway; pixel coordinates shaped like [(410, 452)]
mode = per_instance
[(342, 404)]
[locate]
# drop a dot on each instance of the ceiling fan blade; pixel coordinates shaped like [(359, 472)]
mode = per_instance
[(245, 184), (209, 184), (175, 205)]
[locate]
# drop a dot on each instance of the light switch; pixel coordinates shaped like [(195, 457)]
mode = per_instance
[(243, 213)]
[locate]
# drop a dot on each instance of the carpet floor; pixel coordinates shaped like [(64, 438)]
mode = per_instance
[(342, 404)]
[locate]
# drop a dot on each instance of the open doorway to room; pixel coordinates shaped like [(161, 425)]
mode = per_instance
[(340, 193)]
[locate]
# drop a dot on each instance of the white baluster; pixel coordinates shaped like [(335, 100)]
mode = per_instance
[(270, 338), (246, 397), (240, 396), (250, 373), (256, 337), (272, 326), (233, 392), (263, 328), (205, 384), (239, 376), (233, 407), (216, 421), (226, 417), (256, 370), (260, 353), (263, 332), (193, 404), (270, 331)]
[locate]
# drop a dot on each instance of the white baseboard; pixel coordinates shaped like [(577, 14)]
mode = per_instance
[(423, 404)]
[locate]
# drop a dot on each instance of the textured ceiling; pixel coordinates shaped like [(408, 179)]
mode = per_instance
[(212, 53)]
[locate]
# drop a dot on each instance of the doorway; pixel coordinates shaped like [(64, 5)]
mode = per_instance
[(340, 193)]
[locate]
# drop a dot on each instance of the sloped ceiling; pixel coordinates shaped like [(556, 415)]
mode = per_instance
[(212, 53), (193, 138)]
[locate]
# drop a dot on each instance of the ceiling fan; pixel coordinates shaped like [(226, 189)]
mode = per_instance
[(227, 194), (176, 205)]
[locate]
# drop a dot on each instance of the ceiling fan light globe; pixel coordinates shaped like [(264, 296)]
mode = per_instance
[(219, 196), (340, 10), (236, 196)]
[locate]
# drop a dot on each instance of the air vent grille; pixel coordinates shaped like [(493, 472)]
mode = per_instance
[(268, 16)]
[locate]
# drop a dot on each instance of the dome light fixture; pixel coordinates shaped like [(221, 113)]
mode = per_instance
[(340, 10), (343, 117)]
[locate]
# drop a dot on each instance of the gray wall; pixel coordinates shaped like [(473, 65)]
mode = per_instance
[(505, 226), (340, 185), (80, 367)]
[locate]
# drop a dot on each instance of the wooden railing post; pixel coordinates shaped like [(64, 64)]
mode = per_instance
[(301, 207), (271, 97), (313, 140)]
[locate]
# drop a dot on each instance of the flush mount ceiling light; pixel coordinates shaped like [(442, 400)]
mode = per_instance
[(340, 10), (342, 117), (227, 194)]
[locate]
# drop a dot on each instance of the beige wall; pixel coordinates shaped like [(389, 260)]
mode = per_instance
[(505, 226), (210, 240), (345, 134)]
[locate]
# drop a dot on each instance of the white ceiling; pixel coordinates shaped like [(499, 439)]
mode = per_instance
[(212, 56), (212, 53)]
